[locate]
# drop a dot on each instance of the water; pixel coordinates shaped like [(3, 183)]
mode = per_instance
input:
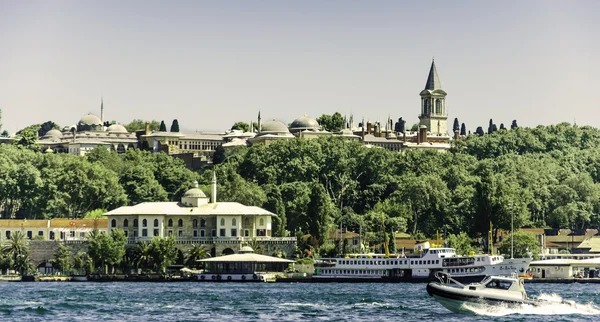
[(193, 301)]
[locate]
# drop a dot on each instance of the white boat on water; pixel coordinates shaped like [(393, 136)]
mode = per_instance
[(418, 267), (493, 290)]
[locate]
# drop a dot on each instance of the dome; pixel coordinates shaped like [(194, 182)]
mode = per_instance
[(54, 133), (194, 193), (90, 122), (305, 123), (246, 250), (274, 127), (117, 128)]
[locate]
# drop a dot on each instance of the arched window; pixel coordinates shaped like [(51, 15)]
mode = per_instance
[(426, 107), (170, 223), (125, 223), (202, 222), (144, 223), (233, 222), (155, 222), (180, 223), (222, 221), (135, 222), (261, 222), (438, 106), (113, 223), (195, 223)]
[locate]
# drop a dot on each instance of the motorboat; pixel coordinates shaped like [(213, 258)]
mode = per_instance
[(492, 290)]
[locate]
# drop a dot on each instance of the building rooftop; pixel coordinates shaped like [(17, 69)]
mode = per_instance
[(176, 208)]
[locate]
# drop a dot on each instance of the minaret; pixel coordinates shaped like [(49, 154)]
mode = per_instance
[(102, 110), (259, 122), (213, 192), (433, 104)]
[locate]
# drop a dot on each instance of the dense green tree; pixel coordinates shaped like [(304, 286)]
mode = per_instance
[(141, 186), (107, 250), (525, 245), (47, 126), (456, 125), (17, 249), (163, 252), (319, 213), (27, 138), (332, 123), (83, 264), (463, 129), (196, 253), (5, 134), (462, 243), (138, 125), (62, 259), (175, 126), (514, 125), (162, 127), (242, 126)]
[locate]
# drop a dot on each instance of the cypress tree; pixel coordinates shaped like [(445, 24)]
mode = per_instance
[(502, 126), (175, 126), (490, 127), (463, 129), (456, 126), (479, 131), (514, 125), (163, 127)]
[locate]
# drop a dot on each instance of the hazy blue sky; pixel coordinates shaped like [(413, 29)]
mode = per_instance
[(211, 63)]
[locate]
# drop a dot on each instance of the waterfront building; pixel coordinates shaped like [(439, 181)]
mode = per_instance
[(201, 145), (59, 229), (224, 227)]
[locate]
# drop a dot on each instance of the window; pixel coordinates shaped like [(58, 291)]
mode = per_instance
[(233, 222), (155, 232), (180, 233), (261, 222), (170, 223), (82, 234), (195, 233), (202, 233), (180, 223), (233, 232), (41, 233), (144, 223), (51, 235), (222, 232), (222, 221), (202, 223), (246, 233), (29, 234), (144, 232), (438, 106), (8, 234), (214, 233), (62, 235), (195, 223), (135, 222), (169, 233), (72, 234), (125, 223), (113, 223), (155, 222), (126, 233), (135, 233)]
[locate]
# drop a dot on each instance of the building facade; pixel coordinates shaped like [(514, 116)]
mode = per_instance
[(224, 227), (58, 229)]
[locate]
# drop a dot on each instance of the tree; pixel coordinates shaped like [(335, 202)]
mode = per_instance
[(456, 126), (491, 127), (461, 242), (463, 129), (197, 252), (502, 126), (414, 127), (479, 131), (27, 138), (140, 185), (399, 126), (5, 134), (138, 125), (175, 126), (18, 251), (83, 264), (95, 214), (163, 252), (319, 213), (47, 126), (514, 125), (162, 127), (242, 126), (62, 259), (332, 123), (525, 245), (107, 250)]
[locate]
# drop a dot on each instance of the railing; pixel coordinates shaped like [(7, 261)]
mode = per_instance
[(211, 240)]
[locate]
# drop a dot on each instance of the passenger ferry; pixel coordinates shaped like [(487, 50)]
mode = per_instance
[(418, 267)]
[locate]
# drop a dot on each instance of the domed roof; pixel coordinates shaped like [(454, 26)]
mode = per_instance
[(195, 192), (274, 127), (118, 128), (305, 123), (246, 250), (54, 133), (90, 119)]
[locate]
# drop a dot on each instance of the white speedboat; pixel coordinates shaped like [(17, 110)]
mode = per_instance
[(493, 290)]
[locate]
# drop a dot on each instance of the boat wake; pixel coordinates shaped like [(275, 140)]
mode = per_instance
[(554, 305)]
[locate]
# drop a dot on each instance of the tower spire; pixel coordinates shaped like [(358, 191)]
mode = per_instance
[(433, 80), (102, 110)]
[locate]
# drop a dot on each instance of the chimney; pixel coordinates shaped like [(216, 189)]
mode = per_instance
[(369, 125), (147, 132), (404, 136), (456, 134), (213, 192)]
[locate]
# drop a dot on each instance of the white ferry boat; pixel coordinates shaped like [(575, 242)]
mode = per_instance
[(418, 267)]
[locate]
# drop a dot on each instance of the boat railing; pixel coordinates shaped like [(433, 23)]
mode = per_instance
[(445, 278)]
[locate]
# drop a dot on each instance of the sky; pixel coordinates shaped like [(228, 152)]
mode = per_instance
[(210, 64)]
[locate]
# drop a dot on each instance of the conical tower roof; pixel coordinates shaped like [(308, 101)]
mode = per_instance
[(433, 80)]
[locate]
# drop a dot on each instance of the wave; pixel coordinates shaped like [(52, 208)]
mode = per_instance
[(555, 305)]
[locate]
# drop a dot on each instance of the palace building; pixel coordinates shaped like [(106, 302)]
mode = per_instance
[(224, 227)]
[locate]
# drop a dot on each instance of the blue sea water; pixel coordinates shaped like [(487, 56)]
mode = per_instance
[(194, 301)]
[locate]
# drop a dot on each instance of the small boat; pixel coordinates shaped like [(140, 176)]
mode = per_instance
[(493, 290)]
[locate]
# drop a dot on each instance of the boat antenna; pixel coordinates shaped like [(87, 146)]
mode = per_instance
[(512, 238)]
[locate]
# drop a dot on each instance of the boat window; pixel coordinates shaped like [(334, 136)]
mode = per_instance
[(503, 285)]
